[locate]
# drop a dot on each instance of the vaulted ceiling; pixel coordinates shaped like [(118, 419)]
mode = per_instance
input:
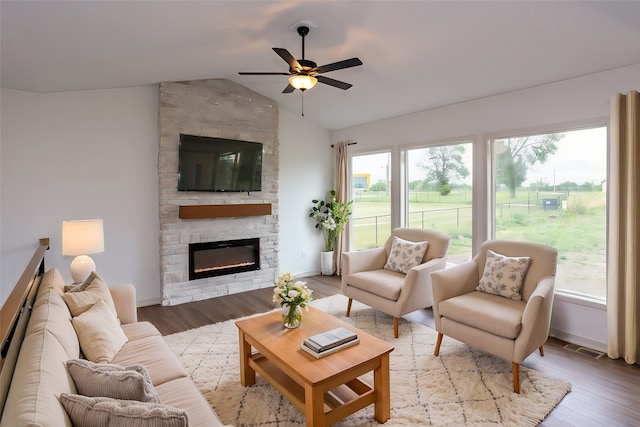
[(417, 55)]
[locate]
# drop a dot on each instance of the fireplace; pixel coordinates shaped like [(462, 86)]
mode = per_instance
[(211, 259)]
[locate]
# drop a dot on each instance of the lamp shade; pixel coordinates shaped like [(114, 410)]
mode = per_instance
[(303, 82), (82, 237)]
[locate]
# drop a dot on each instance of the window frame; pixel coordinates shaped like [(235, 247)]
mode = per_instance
[(490, 222)]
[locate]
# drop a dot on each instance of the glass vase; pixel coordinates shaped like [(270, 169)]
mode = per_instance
[(291, 316)]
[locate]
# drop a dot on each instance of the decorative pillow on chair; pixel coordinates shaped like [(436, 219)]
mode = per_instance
[(115, 381), (504, 275), (405, 255), (104, 412), (99, 333)]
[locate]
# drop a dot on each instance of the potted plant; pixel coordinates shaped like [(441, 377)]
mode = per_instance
[(331, 218)]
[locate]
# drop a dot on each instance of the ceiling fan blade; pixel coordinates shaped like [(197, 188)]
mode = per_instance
[(288, 58), (347, 63), (288, 89), (259, 73), (334, 83)]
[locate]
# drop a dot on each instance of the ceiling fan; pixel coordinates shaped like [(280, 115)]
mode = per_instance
[(304, 73)]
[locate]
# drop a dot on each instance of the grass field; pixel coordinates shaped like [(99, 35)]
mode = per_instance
[(575, 224)]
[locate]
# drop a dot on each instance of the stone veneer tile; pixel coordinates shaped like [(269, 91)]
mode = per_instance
[(216, 108)]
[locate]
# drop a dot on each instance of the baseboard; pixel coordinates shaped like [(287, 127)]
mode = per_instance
[(307, 274), (148, 302), (581, 341)]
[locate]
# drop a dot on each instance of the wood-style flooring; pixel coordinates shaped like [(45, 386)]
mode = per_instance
[(605, 392)]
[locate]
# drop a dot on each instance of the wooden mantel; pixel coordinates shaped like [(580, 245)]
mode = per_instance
[(223, 211)]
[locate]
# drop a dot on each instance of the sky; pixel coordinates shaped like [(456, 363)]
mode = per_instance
[(581, 157)]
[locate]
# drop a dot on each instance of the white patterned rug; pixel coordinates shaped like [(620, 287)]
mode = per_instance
[(461, 387)]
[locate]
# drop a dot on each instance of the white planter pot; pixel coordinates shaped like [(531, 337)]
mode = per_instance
[(327, 266)]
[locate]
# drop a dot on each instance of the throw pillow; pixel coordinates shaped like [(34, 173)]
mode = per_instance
[(78, 287), (99, 333), (405, 255), (115, 381), (103, 412), (504, 275), (97, 289)]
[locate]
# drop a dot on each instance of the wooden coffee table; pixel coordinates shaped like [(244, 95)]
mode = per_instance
[(326, 390)]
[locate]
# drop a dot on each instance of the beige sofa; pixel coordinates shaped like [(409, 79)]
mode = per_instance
[(40, 374)]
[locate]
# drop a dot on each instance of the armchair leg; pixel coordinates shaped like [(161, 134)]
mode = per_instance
[(541, 351), (395, 327), (516, 377), (349, 306), (436, 351)]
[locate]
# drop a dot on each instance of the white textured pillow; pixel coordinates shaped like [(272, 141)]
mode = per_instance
[(96, 290), (99, 333), (115, 381), (504, 275), (405, 255), (106, 412)]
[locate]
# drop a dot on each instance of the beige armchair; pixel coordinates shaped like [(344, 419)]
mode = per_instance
[(508, 328), (365, 278)]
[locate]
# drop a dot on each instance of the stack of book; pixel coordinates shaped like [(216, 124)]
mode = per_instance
[(329, 342)]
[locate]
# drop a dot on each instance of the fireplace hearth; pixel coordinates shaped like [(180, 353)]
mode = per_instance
[(220, 258)]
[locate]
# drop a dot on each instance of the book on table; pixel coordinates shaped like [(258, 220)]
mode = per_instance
[(329, 342)]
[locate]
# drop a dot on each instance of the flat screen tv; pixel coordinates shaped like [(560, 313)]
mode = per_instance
[(217, 164)]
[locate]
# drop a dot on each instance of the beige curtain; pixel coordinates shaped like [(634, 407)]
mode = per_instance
[(342, 194), (623, 284)]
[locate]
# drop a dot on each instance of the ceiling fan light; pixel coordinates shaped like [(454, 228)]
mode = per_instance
[(303, 82)]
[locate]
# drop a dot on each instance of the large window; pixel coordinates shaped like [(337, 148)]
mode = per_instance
[(439, 192), (551, 188), (371, 218)]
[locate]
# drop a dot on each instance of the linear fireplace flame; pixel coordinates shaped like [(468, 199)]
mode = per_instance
[(211, 259)]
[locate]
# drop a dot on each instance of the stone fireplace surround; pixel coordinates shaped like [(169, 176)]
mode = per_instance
[(217, 108)]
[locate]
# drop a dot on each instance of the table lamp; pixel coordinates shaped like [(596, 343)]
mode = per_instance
[(80, 238)]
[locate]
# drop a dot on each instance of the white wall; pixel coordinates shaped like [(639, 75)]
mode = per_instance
[(306, 173), (576, 100), (94, 154), (567, 101), (79, 155)]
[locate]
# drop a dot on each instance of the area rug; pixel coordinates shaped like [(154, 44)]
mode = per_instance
[(461, 387)]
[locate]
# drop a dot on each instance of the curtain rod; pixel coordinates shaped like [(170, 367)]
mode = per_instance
[(350, 143)]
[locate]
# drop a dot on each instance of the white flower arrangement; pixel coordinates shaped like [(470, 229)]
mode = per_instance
[(291, 293)]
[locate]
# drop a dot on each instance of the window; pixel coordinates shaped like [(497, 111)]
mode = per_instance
[(439, 193), (371, 218), (551, 188)]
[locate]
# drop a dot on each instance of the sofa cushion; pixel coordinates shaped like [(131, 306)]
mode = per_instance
[(385, 283), (404, 255), (39, 378), (154, 354), (139, 330), (182, 393), (81, 301), (503, 275), (105, 412), (115, 381), (51, 279), (492, 313), (52, 314), (99, 333)]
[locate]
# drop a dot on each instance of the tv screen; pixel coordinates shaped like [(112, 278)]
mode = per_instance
[(217, 164)]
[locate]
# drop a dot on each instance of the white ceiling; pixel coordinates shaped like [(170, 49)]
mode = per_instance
[(417, 55)]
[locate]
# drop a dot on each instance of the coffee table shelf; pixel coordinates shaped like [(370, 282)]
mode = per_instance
[(339, 402)]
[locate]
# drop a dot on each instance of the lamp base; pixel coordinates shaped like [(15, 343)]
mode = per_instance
[(81, 268)]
